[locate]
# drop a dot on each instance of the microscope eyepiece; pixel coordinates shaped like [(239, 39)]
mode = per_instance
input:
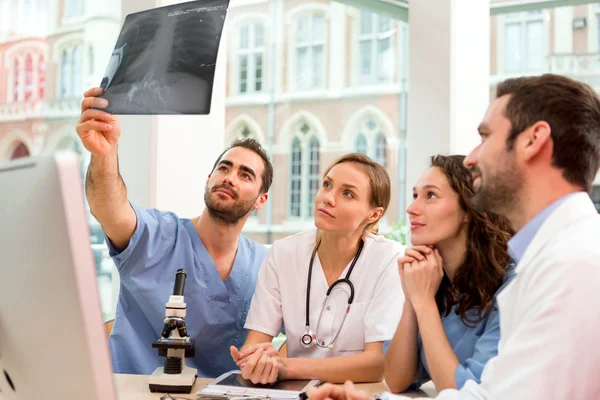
[(179, 286)]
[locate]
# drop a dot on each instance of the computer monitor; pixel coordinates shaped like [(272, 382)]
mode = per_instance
[(52, 338)]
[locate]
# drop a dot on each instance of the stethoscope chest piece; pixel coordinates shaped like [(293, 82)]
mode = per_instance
[(308, 339)]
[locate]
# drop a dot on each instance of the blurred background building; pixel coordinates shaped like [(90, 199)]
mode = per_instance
[(310, 79)]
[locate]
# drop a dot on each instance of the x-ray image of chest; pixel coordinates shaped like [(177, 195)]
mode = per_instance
[(164, 60)]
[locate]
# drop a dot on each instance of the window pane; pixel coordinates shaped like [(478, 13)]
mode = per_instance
[(385, 55), (314, 178), (380, 153), (243, 74), (366, 23), (41, 77), (366, 60), (64, 74), (244, 37), (302, 70), (16, 81), (318, 65), (28, 77), (258, 78), (535, 45), (361, 144), (513, 47), (318, 29), (296, 178), (76, 72), (302, 32), (258, 35), (384, 24)]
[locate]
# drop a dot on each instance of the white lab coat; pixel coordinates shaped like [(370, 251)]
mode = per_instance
[(549, 315), (280, 297)]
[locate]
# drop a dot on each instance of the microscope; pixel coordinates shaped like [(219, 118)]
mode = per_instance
[(175, 345)]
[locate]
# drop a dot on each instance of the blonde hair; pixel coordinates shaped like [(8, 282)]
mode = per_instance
[(379, 181)]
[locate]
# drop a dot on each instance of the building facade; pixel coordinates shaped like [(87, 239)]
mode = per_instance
[(311, 80)]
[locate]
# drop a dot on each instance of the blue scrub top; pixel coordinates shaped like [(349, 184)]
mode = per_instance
[(216, 310), (473, 346)]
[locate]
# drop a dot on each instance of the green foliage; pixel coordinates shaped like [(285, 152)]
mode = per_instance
[(398, 232)]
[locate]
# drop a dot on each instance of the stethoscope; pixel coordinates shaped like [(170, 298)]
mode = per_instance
[(308, 338)]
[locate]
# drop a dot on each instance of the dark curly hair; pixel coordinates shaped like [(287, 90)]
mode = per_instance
[(486, 261)]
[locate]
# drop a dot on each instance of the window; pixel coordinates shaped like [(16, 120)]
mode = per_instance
[(64, 73), (361, 144), (370, 139), (524, 42), (310, 56), (41, 77), (313, 177), (250, 55), (305, 167), (376, 49), (75, 8), (296, 178), (16, 80), (76, 72), (28, 77), (380, 149)]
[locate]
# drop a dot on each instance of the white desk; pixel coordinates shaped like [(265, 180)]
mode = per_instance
[(135, 387)]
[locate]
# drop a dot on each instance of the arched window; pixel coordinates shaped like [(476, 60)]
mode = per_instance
[(16, 82), (76, 72), (304, 170), (28, 77), (361, 144), (20, 151), (313, 178), (41, 77), (296, 178), (64, 73), (380, 149)]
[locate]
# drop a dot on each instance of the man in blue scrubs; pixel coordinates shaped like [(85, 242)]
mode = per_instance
[(149, 246)]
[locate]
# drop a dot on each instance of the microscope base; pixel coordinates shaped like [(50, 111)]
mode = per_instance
[(177, 383)]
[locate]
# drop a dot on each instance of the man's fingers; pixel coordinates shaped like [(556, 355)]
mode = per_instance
[(84, 129), (93, 92), (93, 102), (92, 113)]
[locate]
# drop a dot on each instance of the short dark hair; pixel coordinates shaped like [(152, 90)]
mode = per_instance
[(253, 145), (571, 108)]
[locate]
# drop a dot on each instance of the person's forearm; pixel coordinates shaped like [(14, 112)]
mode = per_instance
[(105, 189), (440, 357), (363, 367), (401, 359)]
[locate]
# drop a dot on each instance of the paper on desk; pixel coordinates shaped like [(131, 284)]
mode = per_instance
[(391, 396)]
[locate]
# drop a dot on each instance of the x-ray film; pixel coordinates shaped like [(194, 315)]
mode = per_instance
[(164, 60)]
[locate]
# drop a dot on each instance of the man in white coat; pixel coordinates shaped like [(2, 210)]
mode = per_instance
[(538, 156)]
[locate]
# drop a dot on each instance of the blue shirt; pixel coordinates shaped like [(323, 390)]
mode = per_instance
[(216, 310), (473, 346), (521, 240)]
